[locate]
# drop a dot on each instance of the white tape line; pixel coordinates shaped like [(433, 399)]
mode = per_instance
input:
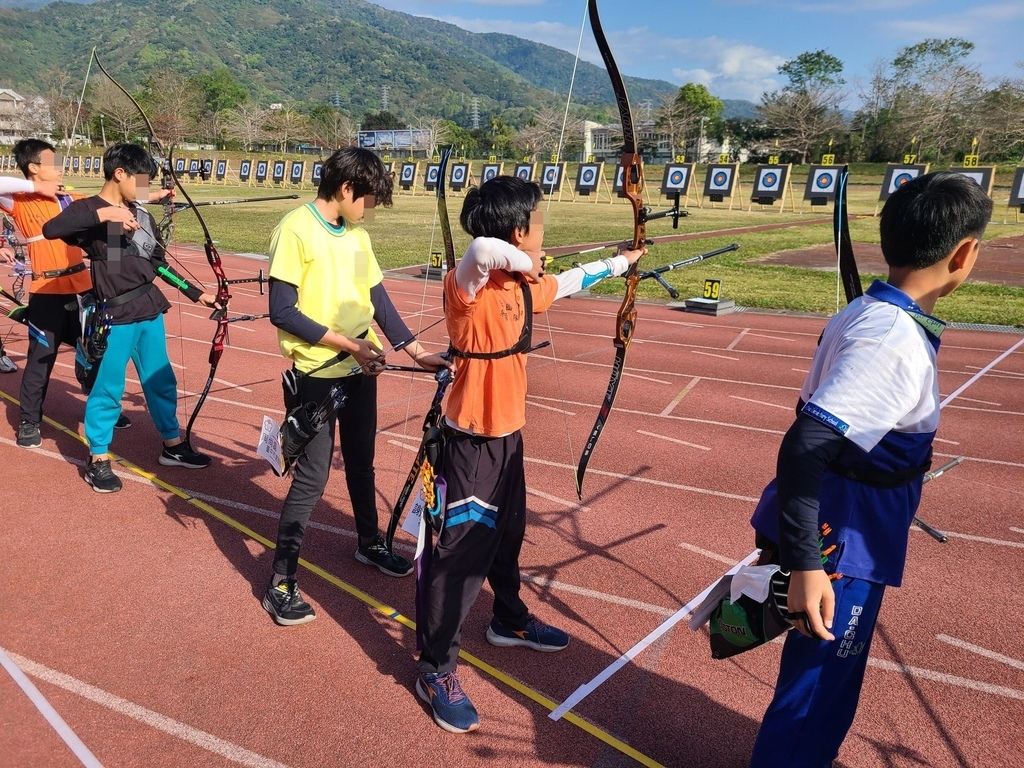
[(956, 392), (63, 730), (587, 688)]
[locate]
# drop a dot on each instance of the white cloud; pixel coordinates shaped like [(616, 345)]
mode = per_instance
[(980, 20)]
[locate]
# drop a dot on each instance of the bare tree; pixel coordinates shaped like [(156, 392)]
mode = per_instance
[(175, 106), (117, 110), (59, 92), (245, 123), (331, 128), (286, 125), (1003, 117)]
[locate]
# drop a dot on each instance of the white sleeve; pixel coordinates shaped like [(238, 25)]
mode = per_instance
[(483, 255), (580, 278), (869, 389), (10, 185)]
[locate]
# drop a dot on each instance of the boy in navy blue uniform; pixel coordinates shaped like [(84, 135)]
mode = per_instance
[(850, 467)]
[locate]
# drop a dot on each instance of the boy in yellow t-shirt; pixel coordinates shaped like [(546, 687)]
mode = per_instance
[(489, 300), (325, 291)]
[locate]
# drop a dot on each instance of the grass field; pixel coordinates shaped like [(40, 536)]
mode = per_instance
[(405, 235)]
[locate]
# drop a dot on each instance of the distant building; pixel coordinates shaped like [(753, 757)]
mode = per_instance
[(604, 142), (22, 118)]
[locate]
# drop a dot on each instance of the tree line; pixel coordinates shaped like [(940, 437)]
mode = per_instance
[(930, 101)]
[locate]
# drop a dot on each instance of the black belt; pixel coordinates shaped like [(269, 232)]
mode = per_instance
[(124, 298), (877, 478), (51, 273)]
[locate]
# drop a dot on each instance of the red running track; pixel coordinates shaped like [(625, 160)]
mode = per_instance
[(137, 614)]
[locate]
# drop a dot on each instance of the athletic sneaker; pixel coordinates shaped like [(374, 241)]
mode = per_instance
[(28, 435), (452, 708), (386, 561), (286, 605), (182, 455), (101, 477), (123, 422), (537, 635), (7, 365)]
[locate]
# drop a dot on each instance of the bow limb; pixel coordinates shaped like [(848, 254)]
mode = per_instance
[(443, 377), (170, 180), (632, 187), (847, 271)]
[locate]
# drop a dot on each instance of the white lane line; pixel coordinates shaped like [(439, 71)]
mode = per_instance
[(544, 581), (761, 402), (770, 336), (1010, 374), (587, 688), (983, 461), (979, 539), (678, 398), (712, 354), (674, 418), (649, 481), (948, 442), (82, 752), (708, 553), (573, 505), (187, 733), (994, 655), (1016, 530), (673, 440), (975, 400), (530, 401), (942, 677), (957, 392), (739, 338)]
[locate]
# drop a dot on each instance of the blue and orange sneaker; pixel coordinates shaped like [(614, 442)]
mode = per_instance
[(452, 708), (537, 635)]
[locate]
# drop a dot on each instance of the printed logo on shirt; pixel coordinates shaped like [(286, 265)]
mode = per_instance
[(820, 414), (849, 645)]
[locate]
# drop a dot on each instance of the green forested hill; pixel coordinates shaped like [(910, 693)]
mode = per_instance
[(307, 51)]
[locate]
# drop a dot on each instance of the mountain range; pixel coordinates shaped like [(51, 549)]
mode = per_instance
[(313, 51)]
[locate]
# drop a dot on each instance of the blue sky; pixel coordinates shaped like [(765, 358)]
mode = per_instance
[(734, 47)]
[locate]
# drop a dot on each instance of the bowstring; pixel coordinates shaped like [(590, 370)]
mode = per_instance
[(435, 221)]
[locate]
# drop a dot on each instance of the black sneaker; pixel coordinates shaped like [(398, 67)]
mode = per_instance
[(182, 455), (28, 435), (101, 477), (123, 422), (386, 561), (286, 605)]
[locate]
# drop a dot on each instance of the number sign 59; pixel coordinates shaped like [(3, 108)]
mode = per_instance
[(712, 289)]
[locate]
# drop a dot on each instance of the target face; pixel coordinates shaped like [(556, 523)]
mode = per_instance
[(179, 166), (432, 174), (458, 174), (825, 181), (208, 166), (245, 169), (490, 171), (769, 181), (588, 176), (317, 168), (524, 172), (721, 180), (408, 172), (677, 177), (193, 167), (619, 175), (550, 175), (261, 168), (88, 163), (901, 176), (222, 167), (297, 171)]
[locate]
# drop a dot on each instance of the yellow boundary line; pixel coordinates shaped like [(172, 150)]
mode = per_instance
[(368, 599)]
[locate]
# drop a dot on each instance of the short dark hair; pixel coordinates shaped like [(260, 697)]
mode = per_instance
[(924, 220), (362, 169), (133, 158), (499, 206), (28, 151)]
